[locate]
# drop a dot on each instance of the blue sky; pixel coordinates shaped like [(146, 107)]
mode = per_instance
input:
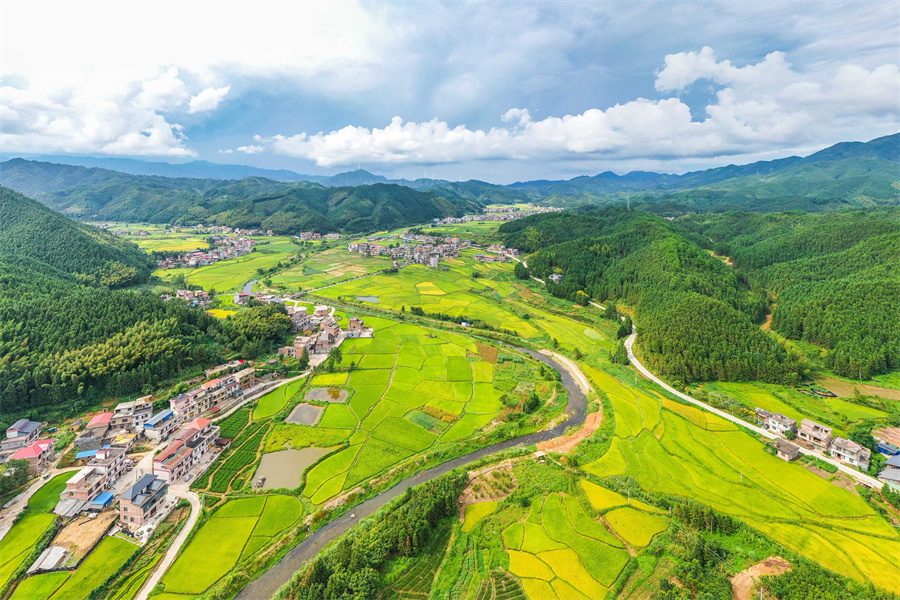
[(494, 91)]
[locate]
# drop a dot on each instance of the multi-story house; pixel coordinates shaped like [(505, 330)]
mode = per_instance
[(194, 441), (22, 433), (132, 415), (37, 453), (815, 433), (161, 425), (851, 453), (142, 501), (776, 422)]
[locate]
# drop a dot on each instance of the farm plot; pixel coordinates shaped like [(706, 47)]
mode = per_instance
[(18, 543), (107, 558), (329, 267), (44, 500), (559, 551), (700, 456), (277, 399), (397, 410), (237, 524)]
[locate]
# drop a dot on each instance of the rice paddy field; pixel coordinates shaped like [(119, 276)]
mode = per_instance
[(104, 561), (17, 545), (178, 242), (231, 275), (328, 267), (412, 389), (237, 531), (670, 448), (493, 297)]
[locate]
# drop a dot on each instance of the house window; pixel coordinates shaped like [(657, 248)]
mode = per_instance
[(126, 509)]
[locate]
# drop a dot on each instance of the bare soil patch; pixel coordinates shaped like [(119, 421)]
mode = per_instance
[(845, 389), (567, 443), (488, 353), (743, 583), (891, 435), (79, 536), (305, 414)]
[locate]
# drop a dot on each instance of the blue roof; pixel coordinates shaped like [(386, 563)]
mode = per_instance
[(159, 418), (86, 453), (104, 498)]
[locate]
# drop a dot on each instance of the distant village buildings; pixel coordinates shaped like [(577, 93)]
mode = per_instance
[(814, 436), (226, 247), (499, 213)]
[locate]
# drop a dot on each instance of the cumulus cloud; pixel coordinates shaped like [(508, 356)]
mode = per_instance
[(102, 115), (251, 149), (759, 106), (208, 99)]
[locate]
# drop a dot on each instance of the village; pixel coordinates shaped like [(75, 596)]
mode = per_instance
[(226, 247), (429, 250), (133, 463), (499, 213)]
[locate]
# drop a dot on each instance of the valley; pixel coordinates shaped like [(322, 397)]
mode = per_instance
[(600, 402)]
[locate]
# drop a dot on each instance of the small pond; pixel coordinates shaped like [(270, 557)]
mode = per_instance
[(372, 299), (285, 469), (321, 394), (305, 414)]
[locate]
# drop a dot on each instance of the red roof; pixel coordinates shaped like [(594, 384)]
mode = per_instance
[(211, 383), (198, 424), (101, 419), (33, 450)]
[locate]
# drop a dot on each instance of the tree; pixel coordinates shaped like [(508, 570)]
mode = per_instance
[(335, 355), (532, 403)]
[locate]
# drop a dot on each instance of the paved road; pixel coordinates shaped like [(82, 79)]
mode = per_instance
[(169, 558), (629, 343), (270, 581), (254, 394)]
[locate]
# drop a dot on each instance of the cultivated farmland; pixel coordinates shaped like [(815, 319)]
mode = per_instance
[(237, 530)]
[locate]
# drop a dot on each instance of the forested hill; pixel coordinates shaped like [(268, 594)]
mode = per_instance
[(697, 320), (67, 340), (286, 208), (30, 230), (834, 278)]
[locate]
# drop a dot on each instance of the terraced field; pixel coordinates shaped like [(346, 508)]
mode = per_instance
[(237, 531), (675, 449)]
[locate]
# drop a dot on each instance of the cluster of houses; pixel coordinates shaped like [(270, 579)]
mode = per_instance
[(201, 258), (309, 236), (321, 333), (193, 297), (814, 436), (22, 443), (198, 228), (216, 395), (498, 214), (429, 251)]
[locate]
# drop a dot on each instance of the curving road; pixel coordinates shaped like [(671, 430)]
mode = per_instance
[(269, 582), (629, 343)]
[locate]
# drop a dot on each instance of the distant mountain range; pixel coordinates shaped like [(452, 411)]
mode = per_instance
[(846, 175)]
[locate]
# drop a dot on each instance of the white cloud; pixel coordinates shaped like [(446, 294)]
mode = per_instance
[(164, 93), (208, 99), (761, 106), (251, 149)]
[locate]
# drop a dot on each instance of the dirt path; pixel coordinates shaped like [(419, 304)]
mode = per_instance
[(743, 583), (8, 515)]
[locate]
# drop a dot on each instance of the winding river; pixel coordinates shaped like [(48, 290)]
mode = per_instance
[(269, 582)]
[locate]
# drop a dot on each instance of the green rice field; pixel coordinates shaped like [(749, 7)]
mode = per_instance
[(237, 530), (276, 400), (17, 545), (104, 561), (413, 389)]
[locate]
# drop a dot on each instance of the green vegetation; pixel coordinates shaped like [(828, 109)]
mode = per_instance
[(44, 500), (833, 277), (476, 512), (352, 567), (679, 451), (234, 526), (274, 401), (105, 342), (289, 208), (19, 543), (400, 411)]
